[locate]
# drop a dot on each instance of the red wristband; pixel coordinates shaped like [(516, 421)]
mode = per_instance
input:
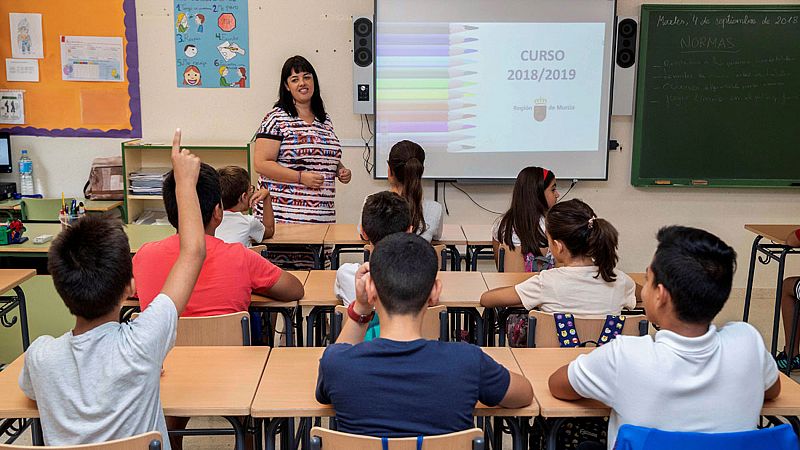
[(797, 233), (359, 318)]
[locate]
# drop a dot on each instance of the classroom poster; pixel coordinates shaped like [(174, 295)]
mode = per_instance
[(26, 35), (91, 58), (22, 70), (12, 107), (212, 44)]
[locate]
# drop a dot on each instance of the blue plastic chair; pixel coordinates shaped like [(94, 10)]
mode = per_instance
[(631, 437)]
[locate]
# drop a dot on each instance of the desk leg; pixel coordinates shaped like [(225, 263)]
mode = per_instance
[(552, 433), (23, 318), (335, 257), (468, 259), (517, 433), (776, 322), (288, 325), (239, 432), (298, 319), (37, 438), (748, 293), (311, 322), (271, 432)]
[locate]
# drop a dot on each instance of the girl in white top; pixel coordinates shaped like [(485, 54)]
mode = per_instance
[(585, 281), (523, 225), (406, 164)]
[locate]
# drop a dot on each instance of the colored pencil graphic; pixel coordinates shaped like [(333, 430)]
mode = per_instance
[(430, 61), (414, 72), (428, 138), (420, 83), (403, 105), (426, 116), (422, 39), (426, 127), (419, 94), (420, 51), (422, 28)]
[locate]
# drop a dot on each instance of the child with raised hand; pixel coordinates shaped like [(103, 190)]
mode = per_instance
[(586, 281), (523, 225), (100, 381), (238, 197), (691, 376)]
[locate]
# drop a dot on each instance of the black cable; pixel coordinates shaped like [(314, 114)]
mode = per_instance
[(444, 198), (572, 185), (473, 200), (367, 153)]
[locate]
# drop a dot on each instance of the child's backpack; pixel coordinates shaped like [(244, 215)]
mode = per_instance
[(568, 336), (105, 179)]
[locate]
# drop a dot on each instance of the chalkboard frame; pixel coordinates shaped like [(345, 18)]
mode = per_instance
[(637, 154)]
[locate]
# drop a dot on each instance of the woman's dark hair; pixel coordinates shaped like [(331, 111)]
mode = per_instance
[(528, 207), (285, 101), (584, 234), (406, 160)]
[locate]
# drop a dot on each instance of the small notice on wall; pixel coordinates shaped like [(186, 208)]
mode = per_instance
[(211, 44), (90, 58), (22, 69), (26, 35), (12, 108)]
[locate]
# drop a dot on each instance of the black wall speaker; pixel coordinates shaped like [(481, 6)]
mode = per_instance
[(625, 66), (363, 62)]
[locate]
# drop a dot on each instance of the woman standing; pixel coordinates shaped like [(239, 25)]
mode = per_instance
[(297, 152)]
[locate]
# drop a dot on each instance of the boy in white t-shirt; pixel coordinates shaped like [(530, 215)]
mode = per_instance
[(238, 196), (101, 380), (691, 376)]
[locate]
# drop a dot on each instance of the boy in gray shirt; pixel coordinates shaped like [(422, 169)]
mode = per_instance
[(100, 381)]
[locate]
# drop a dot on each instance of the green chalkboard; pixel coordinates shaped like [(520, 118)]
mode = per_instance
[(718, 96)]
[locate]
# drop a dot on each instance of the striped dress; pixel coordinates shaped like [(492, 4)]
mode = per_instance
[(304, 147)]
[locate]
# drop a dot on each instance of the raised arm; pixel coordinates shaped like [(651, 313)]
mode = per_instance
[(183, 275)]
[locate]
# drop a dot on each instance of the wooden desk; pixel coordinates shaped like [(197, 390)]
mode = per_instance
[(344, 238), (452, 237), (197, 382), (289, 383), (776, 250), (461, 289), (479, 238), (319, 289), (308, 235), (10, 279), (138, 235), (285, 309), (496, 280)]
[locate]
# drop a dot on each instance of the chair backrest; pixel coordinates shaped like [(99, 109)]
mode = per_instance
[(146, 441), (509, 260), (42, 209), (225, 330), (335, 440), (434, 323), (632, 437), (542, 328), (440, 250)]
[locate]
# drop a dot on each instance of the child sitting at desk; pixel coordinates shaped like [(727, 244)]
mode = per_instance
[(230, 272), (238, 196), (585, 281), (401, 384), (100, 381), (790, 296), (692, 376), (383, 214)]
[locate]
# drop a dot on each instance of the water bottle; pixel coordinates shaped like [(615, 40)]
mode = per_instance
[(25, 174)]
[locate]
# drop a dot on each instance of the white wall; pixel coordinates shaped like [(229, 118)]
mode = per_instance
[(320, 30)]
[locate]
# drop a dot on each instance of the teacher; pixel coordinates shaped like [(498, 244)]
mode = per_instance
[(297, 153)]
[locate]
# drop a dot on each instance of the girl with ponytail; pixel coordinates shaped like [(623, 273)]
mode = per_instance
[(406, 164), (585, 281)]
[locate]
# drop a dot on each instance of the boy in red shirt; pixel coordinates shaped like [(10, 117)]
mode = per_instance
[(230, 272)]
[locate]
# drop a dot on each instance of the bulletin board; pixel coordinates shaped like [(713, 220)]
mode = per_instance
[(58, 108)]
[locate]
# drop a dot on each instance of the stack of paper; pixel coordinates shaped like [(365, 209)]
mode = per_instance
[(147, 181)]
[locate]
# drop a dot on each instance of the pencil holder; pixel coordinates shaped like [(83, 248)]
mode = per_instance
[(67, 220)]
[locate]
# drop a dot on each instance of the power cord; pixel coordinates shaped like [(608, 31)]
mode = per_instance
[(473, 200), (366, 155), (572, 185)]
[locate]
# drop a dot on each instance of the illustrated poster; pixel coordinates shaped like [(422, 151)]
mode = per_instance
[(26, 35), (212, 44), (91, 58), (12, 107)]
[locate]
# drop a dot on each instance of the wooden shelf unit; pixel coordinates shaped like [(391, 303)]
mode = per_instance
[(137, 155)]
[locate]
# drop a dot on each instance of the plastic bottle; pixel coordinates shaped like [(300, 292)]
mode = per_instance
[(25, 174)]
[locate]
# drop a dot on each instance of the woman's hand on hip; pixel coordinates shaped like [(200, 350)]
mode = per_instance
[(312, 180), (344, 175)]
